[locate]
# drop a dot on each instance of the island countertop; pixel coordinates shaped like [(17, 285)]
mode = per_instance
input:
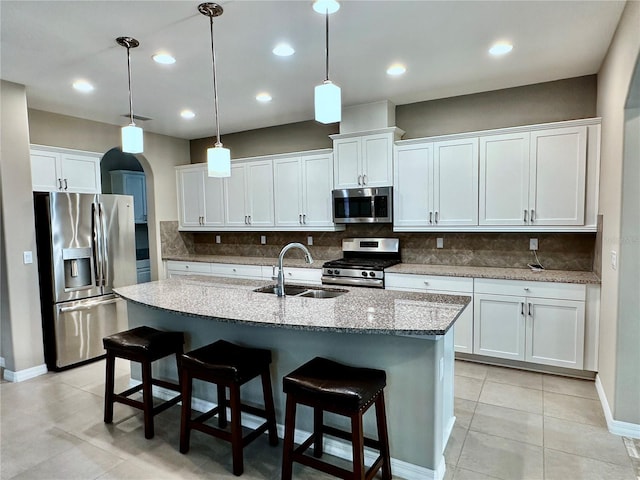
[(361, 310)]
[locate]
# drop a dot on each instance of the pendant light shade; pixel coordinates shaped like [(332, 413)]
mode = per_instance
[(218, 157), (132, 138), (327, 97)]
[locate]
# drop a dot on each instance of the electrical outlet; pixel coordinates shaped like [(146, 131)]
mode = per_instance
[(309, 240), (218, 239), (614, 260), (439, 242), (263, 239), (533, 244)]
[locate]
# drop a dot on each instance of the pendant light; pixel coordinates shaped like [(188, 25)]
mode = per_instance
[(131, 135), (328, 101), (218, 157)]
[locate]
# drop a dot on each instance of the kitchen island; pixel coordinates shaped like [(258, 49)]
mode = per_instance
[(406, 334)]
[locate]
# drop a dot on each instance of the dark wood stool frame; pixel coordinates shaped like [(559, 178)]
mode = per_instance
[(238, 442), (356, 436), (146, 405)]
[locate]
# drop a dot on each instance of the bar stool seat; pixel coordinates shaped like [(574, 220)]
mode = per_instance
[(330, 386), (228, 366), (145, 345)]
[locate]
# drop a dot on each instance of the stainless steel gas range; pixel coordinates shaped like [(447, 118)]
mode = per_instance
[(363, 262)]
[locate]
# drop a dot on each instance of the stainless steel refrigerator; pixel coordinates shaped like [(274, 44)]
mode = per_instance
[(86, 247)]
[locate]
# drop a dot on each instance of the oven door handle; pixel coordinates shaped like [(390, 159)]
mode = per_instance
[(356, 282)]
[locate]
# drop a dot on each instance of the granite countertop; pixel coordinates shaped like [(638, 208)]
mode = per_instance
[(360, 310), (240, 260), (563, 276)]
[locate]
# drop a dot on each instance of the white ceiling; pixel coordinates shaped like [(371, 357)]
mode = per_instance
[(46, 45)]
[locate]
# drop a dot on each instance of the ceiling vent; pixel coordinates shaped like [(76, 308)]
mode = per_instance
[(136, 117)]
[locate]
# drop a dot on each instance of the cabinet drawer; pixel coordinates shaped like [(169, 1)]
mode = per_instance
[(233, 270), (306, 275), (188, 267), (427, 283), (563, 291)]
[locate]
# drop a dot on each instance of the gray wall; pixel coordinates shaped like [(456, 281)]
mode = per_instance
[(618, 320)]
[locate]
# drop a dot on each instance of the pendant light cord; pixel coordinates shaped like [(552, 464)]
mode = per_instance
[(327, 44), (130, 95), (215, 88)]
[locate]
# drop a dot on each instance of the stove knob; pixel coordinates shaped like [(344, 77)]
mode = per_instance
[(372, 274), (364, 274), (336, 272), (330, 272)]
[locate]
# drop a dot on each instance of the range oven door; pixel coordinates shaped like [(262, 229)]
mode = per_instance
[(362, 205)]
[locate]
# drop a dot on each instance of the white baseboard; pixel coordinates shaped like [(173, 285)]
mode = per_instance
[(26, 374), (617, 427), (331, 446)]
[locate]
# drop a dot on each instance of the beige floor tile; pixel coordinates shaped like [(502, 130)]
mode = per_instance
[(512, 396), (463, 410), (575, 409), (501, 458), (464, 474), (570, 386), (508, 423), (585, 440), (563, 466), (470, 369), (81, 462), (454, 445), (467, 388), (516, 377), (134, 469)]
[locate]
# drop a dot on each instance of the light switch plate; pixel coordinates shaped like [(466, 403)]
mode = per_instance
[(27, 257), (614, 259), (263, 239), (439, 242), (218, 239), (533, 244)]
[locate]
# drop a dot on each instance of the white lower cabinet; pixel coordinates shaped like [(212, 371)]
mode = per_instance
[(463, 328), (536, 322)]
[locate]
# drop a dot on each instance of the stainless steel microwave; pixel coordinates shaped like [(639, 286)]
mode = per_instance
[(363, 205)]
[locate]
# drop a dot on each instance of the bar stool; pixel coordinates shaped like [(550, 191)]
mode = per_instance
[(329, 386), (227, 365), (144, 345)]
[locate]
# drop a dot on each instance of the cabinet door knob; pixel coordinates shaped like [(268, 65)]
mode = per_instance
[(426, 283)]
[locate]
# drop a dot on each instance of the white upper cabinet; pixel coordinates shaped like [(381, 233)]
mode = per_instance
[(302, 191), (364, 160), (436, 184), (59, 170), (199, 198), (534, 179), (248, 194), (132, 183)]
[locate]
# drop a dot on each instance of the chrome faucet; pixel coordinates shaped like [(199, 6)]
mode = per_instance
[(285, 249)]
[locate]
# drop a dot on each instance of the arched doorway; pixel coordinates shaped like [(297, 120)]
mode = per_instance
[(122, 173)]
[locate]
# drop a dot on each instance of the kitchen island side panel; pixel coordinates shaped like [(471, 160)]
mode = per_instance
[(414, 392)]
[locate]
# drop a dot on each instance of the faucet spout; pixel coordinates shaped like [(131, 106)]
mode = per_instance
[(285, 249)]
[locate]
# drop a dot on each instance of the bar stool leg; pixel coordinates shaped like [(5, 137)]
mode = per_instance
[(108, 388), (222, 406), (383, 437), (236, 429), (185, 415), (318, 422), (358, 446), (289, 427), (270, 410), (147, 399)]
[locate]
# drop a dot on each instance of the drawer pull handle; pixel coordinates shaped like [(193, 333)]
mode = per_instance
[(426, 283)]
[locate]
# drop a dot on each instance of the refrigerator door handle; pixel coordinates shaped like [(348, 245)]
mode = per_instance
[(97, 261), (105, 246), (88, 305)]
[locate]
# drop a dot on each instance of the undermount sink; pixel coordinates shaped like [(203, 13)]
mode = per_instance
[(300, 291)]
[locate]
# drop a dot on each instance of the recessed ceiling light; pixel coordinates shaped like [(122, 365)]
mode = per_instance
[(283, 50), (326, 6), (396, 69), (188, 114), (164, 59), (83, 86), (500, 48), (263, 97)]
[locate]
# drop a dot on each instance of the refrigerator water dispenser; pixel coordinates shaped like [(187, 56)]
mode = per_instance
[(77, 268)]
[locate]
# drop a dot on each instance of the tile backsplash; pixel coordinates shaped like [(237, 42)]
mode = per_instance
[(556, 251)]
